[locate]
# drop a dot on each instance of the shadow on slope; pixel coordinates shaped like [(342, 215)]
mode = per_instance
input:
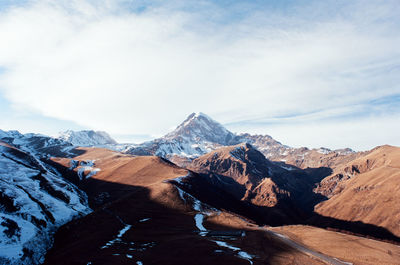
[(155, 232), (208, 188), (301, 183)]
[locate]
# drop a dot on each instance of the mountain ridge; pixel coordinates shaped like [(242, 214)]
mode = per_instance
[(86, 137)]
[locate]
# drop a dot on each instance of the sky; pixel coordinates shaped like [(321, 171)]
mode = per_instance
[(308, 73)]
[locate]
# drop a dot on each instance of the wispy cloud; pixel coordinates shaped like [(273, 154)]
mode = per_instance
[(134, 67)]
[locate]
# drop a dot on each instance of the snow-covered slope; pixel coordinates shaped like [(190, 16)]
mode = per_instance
[(86, 137), (34, 201), (37, 144)]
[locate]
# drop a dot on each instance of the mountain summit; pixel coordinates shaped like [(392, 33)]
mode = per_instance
[(198, 134), (200, 127)]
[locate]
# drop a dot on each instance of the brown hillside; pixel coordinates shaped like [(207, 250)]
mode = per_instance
[(368, 190), (353, 249), (276, 193), (247, 167)]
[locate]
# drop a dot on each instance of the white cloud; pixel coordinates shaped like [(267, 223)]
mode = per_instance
[(141, 73)]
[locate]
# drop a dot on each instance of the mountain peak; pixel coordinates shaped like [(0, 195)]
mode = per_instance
[(200, 127), (86, 137), (196, 117)]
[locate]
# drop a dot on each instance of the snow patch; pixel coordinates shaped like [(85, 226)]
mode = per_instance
[(288, 168), (241, 254), (117, 239), (202, 209), (86, 138), (324, 150), (180, 179), (85, 166), (199, 222), (238, 153)]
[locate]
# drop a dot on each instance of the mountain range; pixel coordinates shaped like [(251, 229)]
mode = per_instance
[(200, 194)]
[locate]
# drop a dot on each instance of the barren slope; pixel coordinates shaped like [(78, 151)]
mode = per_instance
[(357, 250), (368, 191)]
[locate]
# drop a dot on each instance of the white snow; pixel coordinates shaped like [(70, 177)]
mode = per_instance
[(93, 172), (245, 255), (197, 135), (287, 168), (199, 222), (85, 166), (324, 150), (238, 153), (139, 263), (22, 185), (198, 206), (226, 245), (118, 237), (123, 231), (241, 254), (279, 235), (180, 179), (199, 217), (73, 164), (181, 193), (129, 256), (144, 220), (11, 248)]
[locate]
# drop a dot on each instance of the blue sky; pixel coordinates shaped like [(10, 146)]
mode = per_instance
[(308, 73)]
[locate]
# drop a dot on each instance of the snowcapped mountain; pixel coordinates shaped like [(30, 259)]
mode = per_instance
[(34, 201), (86, 137), (199, 134), (198, 127), (37, 144)]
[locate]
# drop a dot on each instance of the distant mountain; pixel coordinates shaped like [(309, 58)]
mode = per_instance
[(86, 137), (34, 202), (199, 134), (198, 127)]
